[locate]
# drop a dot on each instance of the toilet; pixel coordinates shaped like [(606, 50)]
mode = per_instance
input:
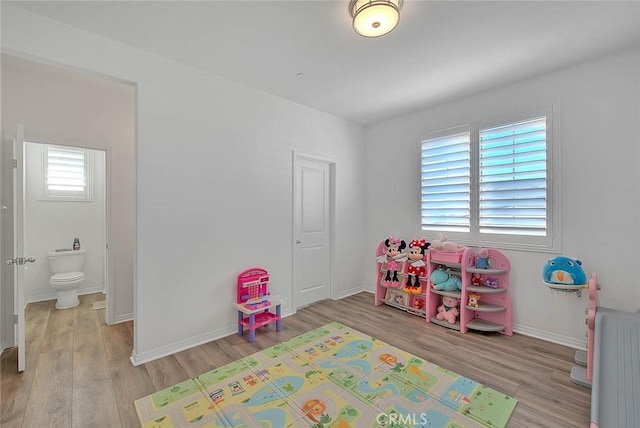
[(66, 276)]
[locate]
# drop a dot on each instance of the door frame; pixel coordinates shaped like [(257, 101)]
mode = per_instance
[(298, 156), (17, 192), (7, 292)]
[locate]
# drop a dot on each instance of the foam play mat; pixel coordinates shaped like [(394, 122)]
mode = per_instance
[(333, 376)]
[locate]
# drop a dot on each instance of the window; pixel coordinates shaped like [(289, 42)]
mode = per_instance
[(490, 185), (66, 174)]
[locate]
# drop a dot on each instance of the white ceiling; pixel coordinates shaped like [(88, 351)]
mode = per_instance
[(440, 51)]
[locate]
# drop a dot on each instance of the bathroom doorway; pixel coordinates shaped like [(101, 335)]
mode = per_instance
[(65, 106), (65, 199)]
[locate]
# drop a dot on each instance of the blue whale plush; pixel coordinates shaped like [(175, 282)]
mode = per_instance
[(444, 280), (564, 270)]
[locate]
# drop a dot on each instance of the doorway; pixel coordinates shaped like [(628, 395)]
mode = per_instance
[(313, 202), (65, 199)]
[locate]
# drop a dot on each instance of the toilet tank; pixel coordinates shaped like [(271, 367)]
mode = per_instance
[(66, 261)]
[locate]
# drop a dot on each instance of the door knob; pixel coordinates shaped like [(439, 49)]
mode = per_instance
[(298, 241)]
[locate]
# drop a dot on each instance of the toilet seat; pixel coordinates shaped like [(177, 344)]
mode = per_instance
[(63, 278)]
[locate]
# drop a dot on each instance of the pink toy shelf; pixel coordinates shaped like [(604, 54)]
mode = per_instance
[(253, 303)]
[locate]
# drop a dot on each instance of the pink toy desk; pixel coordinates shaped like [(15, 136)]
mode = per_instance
[(254, 304)]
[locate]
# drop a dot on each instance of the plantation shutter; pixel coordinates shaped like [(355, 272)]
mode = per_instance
[(513, 178), (446, 178), (66, 172)]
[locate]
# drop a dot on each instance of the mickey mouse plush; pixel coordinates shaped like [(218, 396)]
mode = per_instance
[(393, 257), (416, 266)]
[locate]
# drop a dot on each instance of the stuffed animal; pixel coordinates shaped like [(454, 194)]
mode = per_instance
[(492, 282), (444, 280), (564, 270), (393, 257), (474, 300), (482, 259), (416, 266), (441, 243), (476, 279), (448, 310)]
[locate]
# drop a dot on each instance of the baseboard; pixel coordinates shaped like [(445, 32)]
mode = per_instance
[(145, 357), (164, 351), (5, 346), (123, 318), (544, 335), (154, 354), (53, 295), (350, 292), (369, 290), (551, 337)]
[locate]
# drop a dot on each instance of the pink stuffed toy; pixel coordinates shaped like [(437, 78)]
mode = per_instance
[(442, 244), (449, 309), (393, 257)]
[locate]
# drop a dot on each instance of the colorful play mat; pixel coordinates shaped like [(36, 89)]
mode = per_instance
[(333, 376)]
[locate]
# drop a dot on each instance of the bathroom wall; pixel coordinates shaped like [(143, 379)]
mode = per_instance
[(50, 225)]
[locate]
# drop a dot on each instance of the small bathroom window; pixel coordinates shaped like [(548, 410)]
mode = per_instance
[(66, 173)]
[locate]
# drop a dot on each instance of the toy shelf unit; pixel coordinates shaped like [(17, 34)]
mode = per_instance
[(396, 285), (488, 288), (491, 284), (254, 304)]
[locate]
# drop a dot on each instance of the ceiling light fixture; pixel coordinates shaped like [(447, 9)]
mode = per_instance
[(373, 18)]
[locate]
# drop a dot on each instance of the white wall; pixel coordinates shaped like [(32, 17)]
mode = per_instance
[(599, 136), (214, 171), (51, 225), (69, 107)]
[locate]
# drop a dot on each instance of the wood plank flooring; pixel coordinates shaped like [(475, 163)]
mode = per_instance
[(78, 372)]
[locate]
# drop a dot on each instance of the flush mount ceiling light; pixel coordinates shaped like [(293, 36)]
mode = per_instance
[(373, 18)]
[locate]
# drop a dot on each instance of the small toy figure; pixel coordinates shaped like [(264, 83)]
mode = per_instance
[(448, 310), (476, 279), (492, 282), (399, 299), (416, 267), (474, 299), (482, 259), (393, 258)]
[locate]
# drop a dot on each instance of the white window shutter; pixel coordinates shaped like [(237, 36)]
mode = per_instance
[(66, 170), (66, 174), (513, 178), (446, 183)]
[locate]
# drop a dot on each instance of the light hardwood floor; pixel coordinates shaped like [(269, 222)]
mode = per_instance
[(78, 371)]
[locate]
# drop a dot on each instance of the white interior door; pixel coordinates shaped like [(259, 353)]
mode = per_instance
[(18, 260), (312, 230)]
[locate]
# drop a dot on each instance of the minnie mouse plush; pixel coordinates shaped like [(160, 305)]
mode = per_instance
[(416, 267), (393, 257)]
